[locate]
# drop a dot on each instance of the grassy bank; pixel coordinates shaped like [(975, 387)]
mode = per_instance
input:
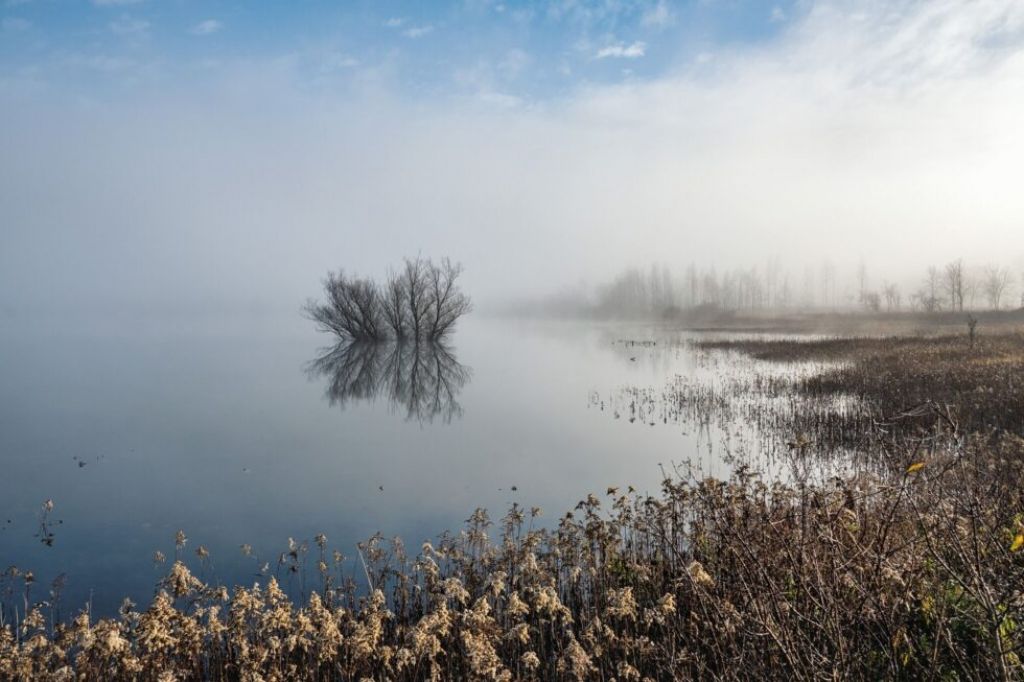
[(915, 572), (982, 382), (853, 323)]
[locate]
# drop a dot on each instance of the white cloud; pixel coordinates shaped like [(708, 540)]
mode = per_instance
[(500, 100), (395, 22), (337, 61), (657, 16), (418, 31), (777, 15), (513, 63), (130, 27), (206, 27), (622, 51), (13, 24), (870, 128)]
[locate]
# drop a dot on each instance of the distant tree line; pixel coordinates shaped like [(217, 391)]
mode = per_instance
[(956, 287), (659, 290), (422, 300)]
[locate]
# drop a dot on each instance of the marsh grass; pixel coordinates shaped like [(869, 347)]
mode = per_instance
[(981, 380), (908, 578), (778, 404), (911, 571)]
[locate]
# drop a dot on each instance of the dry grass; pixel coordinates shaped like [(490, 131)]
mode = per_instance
[(982, 382), (912, 575)]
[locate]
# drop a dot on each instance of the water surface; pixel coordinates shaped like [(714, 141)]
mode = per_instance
[(229, 430)]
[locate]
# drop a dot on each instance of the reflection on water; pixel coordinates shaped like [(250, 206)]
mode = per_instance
[(422, 379), (754, 413), (212, 426)]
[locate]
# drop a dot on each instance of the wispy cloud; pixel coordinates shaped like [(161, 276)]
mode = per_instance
[(499, 100), (513, 63), (418, 31), (657, 16), (395, 22), (206, 27), (894, 124), (337, 61), (130, 27), (622, 51)]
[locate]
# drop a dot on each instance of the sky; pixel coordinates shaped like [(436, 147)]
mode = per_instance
[(178, 153)]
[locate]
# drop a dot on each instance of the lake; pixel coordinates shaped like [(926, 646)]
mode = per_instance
[(227, 429)]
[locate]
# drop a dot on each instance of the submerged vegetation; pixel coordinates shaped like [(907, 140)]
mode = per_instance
[(981, 380), (421, 301), (907, 571)]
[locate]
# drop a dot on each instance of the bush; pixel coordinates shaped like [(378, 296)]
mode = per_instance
[(421, 301)]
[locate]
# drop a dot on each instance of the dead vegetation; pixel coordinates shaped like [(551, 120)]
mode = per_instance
[(913, 572), (983, 380), (422, 301), (917, 577)]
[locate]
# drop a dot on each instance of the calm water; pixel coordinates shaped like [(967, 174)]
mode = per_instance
[(225, 430)]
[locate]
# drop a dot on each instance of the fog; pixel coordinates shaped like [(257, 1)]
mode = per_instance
[(882, 132)]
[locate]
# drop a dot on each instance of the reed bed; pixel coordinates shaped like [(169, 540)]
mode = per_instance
[(981, 379), (839, 400), (918, 577), (914, 571)]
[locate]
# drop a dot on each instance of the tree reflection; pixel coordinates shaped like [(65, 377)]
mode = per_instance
[(422, 379)]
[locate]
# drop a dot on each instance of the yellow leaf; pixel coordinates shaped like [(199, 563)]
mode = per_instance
[(1017, 543), (916, 466)]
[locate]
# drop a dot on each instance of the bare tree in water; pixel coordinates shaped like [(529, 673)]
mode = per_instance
[(352, 310), (395, 307), (447, 302), (415, 281), (421, 301)]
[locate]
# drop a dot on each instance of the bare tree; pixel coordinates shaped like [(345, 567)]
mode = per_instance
[(394, 306), (417, 297), (422, 301), (995, 282), (930, 294), (352, 310), (827, 276), (972, 287), (447, 302), (892, 296), (871, 300), (953, 282), (862, 281)]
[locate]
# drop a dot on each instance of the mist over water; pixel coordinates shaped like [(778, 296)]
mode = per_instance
[(207, 326), (223, 428), (227, 178)]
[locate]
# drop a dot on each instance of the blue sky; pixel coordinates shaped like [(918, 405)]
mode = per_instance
[(180, 151), (525, 50)]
